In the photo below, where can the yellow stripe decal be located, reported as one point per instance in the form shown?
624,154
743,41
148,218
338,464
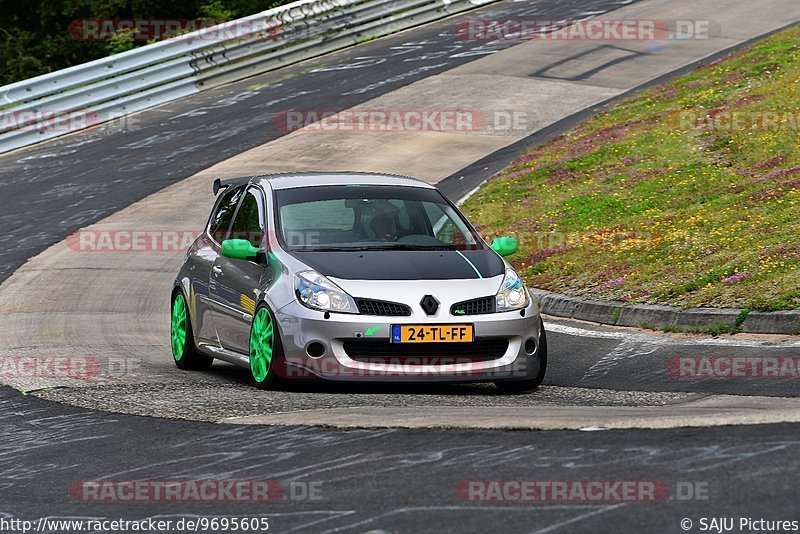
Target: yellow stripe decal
248,303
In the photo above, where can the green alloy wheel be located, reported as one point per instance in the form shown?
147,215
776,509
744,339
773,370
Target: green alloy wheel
183,350
178,327
264,346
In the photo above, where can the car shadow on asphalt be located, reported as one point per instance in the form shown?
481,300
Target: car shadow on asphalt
363,386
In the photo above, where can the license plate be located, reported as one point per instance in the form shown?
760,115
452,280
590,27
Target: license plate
420,333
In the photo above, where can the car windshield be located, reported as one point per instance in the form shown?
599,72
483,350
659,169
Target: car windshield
353,218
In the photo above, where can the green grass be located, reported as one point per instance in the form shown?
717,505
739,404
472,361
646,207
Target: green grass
712,330
639,204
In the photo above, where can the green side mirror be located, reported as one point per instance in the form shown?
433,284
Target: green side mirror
505,246
239,249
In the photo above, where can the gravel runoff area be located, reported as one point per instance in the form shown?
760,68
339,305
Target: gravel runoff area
217,401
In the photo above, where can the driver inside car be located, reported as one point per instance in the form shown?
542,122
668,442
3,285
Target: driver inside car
384,226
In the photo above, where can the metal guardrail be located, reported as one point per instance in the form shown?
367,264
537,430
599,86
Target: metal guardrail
85,95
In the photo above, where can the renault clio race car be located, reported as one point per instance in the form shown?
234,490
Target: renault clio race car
350,276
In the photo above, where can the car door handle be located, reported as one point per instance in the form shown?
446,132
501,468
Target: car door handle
217,270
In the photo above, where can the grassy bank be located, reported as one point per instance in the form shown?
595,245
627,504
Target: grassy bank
687,194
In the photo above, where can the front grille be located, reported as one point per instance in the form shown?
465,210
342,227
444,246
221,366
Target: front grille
479,306
383,351
381,307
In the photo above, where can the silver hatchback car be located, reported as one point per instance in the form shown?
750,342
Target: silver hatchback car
351,276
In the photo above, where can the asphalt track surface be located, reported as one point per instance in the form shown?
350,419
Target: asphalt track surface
371,480
389,480
589,365
55,188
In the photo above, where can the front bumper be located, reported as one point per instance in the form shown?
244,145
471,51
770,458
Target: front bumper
304,330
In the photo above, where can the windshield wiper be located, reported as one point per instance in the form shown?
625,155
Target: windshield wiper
407,246
388,246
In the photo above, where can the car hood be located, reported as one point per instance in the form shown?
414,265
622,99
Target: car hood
405,264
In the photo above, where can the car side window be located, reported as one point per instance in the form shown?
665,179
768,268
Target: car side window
221,218
247,224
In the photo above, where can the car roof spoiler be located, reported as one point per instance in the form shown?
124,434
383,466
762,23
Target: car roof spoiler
219,184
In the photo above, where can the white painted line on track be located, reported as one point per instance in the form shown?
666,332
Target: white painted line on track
654,339
624,351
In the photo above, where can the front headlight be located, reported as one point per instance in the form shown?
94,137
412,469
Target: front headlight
512,294
318,293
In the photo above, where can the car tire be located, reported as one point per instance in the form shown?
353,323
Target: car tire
265,349
184,351
530,384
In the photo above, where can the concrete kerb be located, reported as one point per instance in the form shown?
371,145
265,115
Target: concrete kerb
699,318
667,317
779,322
